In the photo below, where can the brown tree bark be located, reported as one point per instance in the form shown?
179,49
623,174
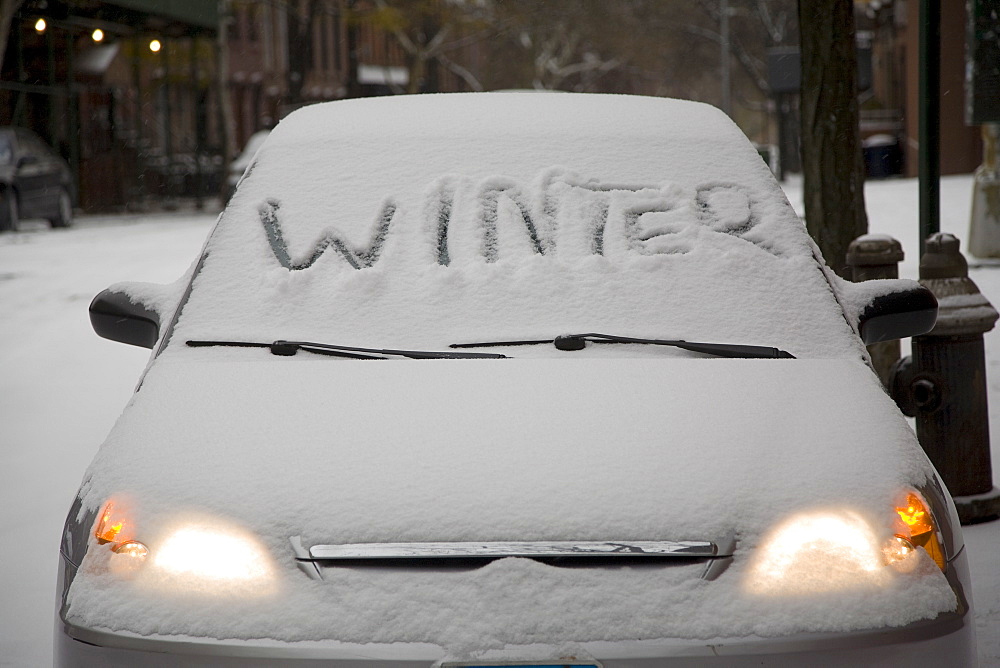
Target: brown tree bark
832,161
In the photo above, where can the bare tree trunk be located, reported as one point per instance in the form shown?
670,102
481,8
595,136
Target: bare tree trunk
417,67
832,163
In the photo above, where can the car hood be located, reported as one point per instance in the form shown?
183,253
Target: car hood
606,449
576,449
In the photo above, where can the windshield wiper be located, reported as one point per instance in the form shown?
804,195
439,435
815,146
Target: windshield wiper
579,341
288,348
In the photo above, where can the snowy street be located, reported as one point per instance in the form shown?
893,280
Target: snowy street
64,387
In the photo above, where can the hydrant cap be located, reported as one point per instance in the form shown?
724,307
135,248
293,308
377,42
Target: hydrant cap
874,249
942,258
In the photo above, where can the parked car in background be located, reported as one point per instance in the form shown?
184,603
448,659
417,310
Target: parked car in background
506,379
242,161
34,181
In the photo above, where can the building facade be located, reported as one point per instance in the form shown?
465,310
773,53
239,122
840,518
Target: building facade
893,105
148,100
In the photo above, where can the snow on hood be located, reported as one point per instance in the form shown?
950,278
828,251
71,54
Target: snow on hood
602,449
361,451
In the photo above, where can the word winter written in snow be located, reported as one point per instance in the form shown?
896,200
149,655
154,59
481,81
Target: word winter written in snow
590,217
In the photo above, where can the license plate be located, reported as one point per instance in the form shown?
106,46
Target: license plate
522,664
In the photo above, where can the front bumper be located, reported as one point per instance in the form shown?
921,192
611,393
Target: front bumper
948,639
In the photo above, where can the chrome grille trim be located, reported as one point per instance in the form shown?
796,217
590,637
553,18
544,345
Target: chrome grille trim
529,549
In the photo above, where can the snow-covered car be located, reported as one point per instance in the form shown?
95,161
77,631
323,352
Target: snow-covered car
626,415
35,182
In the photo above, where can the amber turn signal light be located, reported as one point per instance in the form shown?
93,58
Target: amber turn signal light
109,526
916,526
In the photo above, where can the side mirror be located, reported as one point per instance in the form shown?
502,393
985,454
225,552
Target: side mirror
897,315
115,316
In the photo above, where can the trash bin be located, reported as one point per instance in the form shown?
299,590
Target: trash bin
883,156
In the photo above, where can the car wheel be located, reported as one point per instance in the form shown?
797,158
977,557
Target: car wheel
8,212
64,216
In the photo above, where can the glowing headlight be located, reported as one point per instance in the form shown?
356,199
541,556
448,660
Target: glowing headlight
817,552
212,554
826,551
128,558
201,554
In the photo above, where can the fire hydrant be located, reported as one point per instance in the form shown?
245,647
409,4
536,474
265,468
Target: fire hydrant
943,383
873,256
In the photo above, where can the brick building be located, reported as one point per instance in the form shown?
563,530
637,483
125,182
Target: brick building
117,88
149,99
893,106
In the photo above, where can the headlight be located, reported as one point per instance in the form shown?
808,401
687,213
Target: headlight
200,554
817,552
824,551
212,553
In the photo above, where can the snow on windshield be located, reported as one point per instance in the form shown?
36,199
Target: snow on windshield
521,216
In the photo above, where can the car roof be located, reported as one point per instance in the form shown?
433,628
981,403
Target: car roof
425,220
414,140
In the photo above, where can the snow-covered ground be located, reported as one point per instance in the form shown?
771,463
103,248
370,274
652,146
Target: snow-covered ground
63,387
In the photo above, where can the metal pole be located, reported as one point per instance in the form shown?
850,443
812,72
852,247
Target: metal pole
224,106
724,57
73,116
930,117
140,160
50,48
195,94
17,116
168,143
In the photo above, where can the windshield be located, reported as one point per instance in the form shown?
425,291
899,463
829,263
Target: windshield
359,229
